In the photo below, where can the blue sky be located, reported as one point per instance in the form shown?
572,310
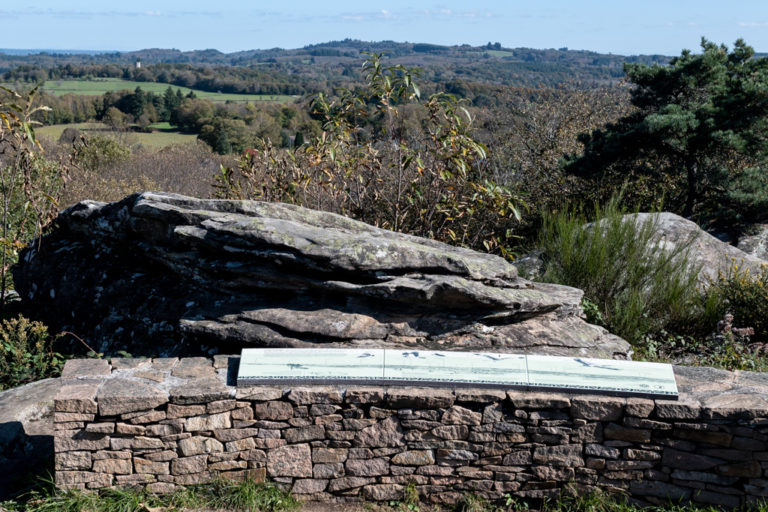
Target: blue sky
617,26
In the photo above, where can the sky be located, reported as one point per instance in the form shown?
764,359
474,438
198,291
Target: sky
616,26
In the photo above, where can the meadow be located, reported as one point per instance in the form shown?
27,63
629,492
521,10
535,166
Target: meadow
99,86
162,135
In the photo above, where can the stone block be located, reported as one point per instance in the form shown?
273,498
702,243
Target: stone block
77,440
597,408
457,415
201,391
526,400
676,459
454,432
163,456
132,430
208,422
700,436
302,435
293,461
198,445
136,443
273,411
684,409
383,492
564,455
235,434
86,368
67,417
414,458
240,445
332,470
228,465
309,486
72,461
639,407
386,433
185,411
315,395
479,396
367,467
142,417
347,483
599,450
260,393
113,466
119,396
632,435
243,413
77,397
189,465
329,455
194,368
419,398
150,467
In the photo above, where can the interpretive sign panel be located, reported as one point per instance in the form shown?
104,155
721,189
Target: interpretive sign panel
611,375
436,368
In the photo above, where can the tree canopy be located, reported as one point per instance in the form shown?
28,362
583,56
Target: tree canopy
698,133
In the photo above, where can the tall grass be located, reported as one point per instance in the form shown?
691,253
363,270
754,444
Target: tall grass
639,285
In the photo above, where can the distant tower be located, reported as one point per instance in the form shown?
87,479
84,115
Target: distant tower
138,63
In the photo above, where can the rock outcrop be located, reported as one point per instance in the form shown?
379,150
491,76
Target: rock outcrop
165,274
713,255
756,243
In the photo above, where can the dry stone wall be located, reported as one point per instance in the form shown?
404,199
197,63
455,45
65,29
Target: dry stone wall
162,423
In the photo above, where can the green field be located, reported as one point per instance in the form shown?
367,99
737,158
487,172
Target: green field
164,136
499,53
98,86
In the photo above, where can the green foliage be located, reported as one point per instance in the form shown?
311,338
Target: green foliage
743,294
97,152
220,494
26,353
637,288
248,495
375,162
471,502
30,185
700,123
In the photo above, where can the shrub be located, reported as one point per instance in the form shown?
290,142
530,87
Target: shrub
638,288
420,171
26,353
743,294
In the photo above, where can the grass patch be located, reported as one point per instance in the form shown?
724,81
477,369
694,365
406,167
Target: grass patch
164,136
500,53
99,86
221,494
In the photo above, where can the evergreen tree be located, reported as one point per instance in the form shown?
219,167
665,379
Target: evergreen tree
699,132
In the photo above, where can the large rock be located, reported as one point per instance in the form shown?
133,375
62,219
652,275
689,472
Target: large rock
713,255
163,273
26,434
756,243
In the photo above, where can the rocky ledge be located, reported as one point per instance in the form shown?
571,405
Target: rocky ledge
164,274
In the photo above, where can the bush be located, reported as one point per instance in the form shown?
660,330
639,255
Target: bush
637,288
26,353
743,294
387,158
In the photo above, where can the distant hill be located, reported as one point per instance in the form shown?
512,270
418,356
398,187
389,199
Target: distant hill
338,61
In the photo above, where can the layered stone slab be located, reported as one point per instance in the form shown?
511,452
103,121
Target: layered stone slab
443,368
